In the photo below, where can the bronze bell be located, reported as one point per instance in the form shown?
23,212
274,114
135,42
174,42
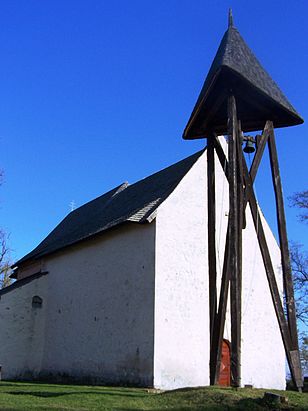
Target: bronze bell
249,147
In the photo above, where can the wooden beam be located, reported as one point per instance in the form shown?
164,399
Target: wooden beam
241,223
233,242
283,325
260,149
211,233
284,247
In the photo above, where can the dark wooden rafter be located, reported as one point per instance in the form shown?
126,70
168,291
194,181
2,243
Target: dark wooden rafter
211,233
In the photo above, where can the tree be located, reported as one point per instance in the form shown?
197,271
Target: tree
303,352
5,270
299,262
299,259
300,200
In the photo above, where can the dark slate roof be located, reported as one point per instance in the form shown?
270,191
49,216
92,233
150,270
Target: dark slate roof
236,69
126,203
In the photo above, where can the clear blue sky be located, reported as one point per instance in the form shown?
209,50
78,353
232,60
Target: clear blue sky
94,93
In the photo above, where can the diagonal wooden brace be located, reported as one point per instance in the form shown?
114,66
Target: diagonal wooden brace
283,325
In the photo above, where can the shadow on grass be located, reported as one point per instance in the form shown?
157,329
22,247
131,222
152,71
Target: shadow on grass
242,405
248,406
49,394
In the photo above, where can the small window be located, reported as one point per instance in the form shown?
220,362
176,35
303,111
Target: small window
37,301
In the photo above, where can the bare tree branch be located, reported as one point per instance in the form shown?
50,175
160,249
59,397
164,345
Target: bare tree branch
303,349
299,261
5,263
300,200
3,247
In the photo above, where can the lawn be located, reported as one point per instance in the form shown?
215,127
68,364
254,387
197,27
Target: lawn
38,396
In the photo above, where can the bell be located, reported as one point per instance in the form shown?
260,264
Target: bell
249,147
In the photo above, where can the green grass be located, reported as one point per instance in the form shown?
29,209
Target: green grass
37,396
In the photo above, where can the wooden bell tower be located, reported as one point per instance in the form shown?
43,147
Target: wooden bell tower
238,96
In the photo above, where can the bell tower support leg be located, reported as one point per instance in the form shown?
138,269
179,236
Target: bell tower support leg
285,258
211,244
283,325
234,243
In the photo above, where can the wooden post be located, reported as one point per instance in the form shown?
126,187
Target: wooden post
211,241
241,223
285,255
234,242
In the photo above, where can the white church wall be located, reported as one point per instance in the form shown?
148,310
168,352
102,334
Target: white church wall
263,356
101,305
181,348
22,330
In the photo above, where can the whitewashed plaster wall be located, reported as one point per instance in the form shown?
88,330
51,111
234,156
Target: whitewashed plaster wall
97,324
181,348
22,330
100,314
263,355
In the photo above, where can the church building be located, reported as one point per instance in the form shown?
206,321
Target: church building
166,282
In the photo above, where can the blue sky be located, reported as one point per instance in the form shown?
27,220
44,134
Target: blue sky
94,93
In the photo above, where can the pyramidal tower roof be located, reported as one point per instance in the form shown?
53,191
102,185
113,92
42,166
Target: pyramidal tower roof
235,70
